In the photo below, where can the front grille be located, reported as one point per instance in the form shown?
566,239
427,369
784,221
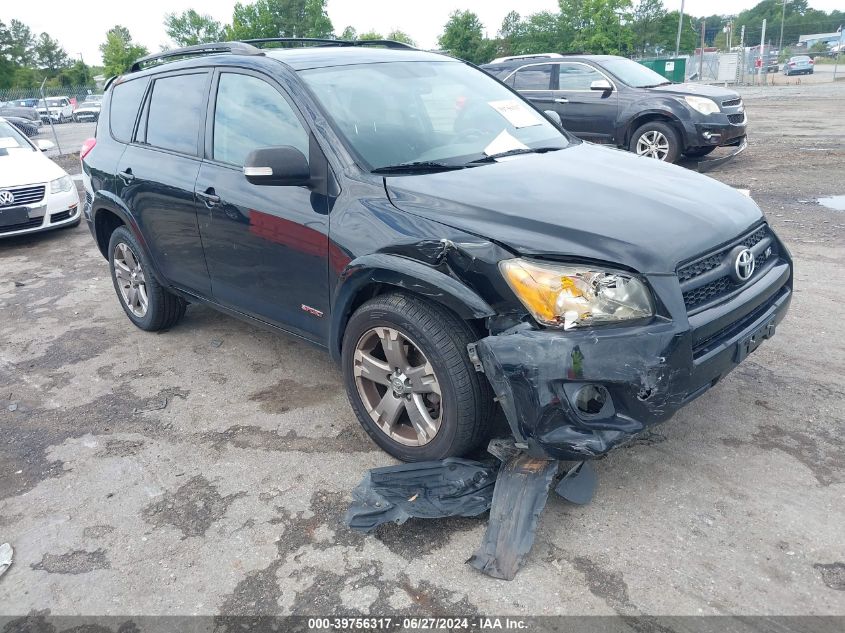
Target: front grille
708,278
62,215
25,195
730,103
29,224
737,119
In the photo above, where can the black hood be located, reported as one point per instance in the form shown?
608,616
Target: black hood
717,93
585,201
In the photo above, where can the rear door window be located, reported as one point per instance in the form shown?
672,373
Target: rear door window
533,77
176,112
125,101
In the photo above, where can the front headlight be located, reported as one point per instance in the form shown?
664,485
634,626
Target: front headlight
576,296
702,104
60,185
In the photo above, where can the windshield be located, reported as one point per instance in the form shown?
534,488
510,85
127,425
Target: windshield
397,113
634,74
10,138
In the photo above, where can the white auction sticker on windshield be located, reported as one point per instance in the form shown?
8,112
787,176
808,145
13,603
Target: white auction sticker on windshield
505,142
516,113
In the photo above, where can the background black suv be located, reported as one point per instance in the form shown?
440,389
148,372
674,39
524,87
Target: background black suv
609,99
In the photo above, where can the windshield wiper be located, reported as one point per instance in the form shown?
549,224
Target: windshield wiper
665,83
417,166
491,158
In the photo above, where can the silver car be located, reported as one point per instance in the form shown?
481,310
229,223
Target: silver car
798,65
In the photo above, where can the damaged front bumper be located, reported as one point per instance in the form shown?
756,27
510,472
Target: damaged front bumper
635,376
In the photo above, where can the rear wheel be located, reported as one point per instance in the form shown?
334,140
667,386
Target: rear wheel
656,139
147,304
410,381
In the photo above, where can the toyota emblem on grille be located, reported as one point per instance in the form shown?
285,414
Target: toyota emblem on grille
744,265
6,198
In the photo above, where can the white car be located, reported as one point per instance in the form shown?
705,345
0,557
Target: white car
35,193
59,109
88,110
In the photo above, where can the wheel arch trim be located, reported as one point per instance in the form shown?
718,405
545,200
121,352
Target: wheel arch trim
401,273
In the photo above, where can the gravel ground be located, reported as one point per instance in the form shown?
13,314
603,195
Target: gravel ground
206,469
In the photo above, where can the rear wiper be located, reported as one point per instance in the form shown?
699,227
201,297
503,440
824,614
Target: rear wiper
417,166
491,158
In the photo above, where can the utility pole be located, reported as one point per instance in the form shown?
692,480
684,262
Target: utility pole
701,59
680,26
763,62
782,19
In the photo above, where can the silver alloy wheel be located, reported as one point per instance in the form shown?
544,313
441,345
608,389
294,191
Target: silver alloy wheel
398,387
130,279
653,144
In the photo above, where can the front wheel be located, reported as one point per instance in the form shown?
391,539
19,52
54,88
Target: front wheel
410,381
656,139
145,301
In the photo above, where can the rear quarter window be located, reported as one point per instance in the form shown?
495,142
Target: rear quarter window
125,102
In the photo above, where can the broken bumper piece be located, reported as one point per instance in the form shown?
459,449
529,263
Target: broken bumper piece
576,395
425,490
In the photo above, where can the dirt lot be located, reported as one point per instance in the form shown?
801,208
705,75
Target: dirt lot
207,469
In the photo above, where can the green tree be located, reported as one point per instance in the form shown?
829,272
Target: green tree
646,22
189,28
119,51
349,33
280,18
400,36
49,55
463,37
371,35
599,26
510,34
77,74
19,46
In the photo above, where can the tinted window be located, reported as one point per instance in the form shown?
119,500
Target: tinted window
176,112
250,113
125,100
533,78
577,77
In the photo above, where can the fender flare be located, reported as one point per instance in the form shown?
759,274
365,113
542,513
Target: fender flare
403,274
107,201
665,111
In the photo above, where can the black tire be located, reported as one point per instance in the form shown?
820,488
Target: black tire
466,397
664,128
164,309
698,152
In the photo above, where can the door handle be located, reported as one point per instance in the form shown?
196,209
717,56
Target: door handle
209,197
561,100
126,176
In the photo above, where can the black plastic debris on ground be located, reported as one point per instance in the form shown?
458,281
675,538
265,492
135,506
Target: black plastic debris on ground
426,490
522,489
517,489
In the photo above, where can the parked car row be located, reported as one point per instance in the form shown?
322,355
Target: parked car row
61,109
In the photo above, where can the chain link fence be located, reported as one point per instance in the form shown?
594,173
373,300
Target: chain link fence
24,94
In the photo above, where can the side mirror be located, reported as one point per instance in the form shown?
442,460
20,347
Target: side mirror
554,117
43,144
282,166
601,84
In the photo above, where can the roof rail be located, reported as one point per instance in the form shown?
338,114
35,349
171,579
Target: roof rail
318,41
235,48
509,58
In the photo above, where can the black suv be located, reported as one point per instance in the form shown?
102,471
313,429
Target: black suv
447,244
609,99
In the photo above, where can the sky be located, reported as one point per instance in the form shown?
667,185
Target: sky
80,27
